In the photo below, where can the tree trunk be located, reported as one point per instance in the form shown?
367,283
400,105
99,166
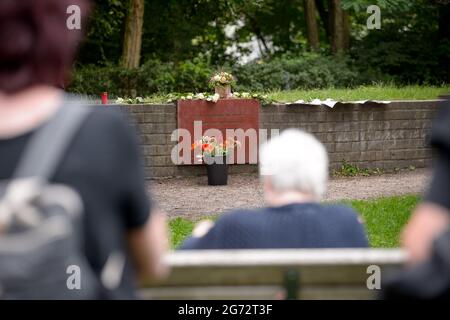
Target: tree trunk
132,42
324,16
311,25
337,26
257,31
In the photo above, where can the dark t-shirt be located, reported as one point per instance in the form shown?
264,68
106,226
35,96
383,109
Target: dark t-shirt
103,165
306,225
439,191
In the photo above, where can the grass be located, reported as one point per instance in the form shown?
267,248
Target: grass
377,92
180,228
384,219
374,92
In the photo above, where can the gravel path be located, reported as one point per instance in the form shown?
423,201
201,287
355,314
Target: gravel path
191,197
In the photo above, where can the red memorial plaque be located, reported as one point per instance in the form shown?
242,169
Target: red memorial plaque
237,116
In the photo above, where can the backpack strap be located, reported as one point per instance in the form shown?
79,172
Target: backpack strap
48,145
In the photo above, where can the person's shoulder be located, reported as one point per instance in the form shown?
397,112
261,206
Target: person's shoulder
106,130
240,216
110,124
107,117
341,211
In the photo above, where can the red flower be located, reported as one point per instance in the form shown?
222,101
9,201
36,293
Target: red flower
208,147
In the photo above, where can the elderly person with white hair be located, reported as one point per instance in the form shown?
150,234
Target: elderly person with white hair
294,172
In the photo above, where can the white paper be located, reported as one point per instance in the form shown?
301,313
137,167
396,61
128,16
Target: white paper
330,103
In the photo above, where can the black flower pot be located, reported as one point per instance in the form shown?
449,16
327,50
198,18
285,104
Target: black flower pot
217,170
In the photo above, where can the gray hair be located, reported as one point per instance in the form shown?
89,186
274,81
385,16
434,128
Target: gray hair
295,161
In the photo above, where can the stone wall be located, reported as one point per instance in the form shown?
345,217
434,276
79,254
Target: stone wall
370,136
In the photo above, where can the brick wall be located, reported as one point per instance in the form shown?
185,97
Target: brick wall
370,136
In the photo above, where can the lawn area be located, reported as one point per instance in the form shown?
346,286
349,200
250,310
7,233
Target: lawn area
384,218
375,92
381,92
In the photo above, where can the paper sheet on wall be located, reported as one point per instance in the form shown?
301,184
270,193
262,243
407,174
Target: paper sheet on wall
332,103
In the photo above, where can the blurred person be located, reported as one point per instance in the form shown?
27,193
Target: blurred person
426,238
432,216
294,173
101,163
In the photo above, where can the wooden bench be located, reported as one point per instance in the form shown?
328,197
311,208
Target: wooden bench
273,274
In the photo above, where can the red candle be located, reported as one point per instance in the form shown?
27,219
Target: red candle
105,98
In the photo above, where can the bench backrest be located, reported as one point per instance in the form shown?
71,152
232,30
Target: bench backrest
274,274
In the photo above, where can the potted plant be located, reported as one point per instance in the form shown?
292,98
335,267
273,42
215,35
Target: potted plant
214,154
222,83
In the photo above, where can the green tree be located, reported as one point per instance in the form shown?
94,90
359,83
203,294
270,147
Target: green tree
191,36
103,40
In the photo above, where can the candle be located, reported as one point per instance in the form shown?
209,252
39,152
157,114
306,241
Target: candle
105,98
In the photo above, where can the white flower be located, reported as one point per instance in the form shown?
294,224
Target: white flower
140,99
189,97
216,78
215,97
223,80
120,100
245,95
200,96
236,94
183,98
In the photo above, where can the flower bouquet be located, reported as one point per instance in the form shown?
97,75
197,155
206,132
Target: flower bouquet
214,154
222,83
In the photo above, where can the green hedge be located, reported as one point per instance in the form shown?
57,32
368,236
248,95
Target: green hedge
297,72
303,71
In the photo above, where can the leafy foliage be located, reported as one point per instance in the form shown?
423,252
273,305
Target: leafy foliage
350,170
307,70
386,5
104,36
185,41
